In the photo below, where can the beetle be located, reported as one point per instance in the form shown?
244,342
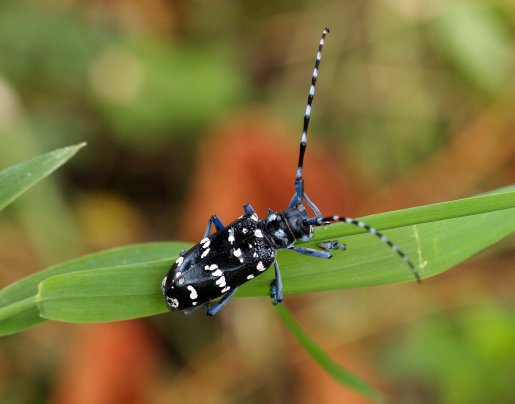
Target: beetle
243,250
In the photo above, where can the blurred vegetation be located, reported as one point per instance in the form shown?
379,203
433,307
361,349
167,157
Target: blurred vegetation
414,106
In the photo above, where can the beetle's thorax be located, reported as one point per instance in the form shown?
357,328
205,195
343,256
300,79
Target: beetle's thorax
283,228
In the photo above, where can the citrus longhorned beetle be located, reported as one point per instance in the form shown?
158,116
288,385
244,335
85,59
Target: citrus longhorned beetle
239,252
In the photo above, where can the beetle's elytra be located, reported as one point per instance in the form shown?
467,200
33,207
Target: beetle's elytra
247,247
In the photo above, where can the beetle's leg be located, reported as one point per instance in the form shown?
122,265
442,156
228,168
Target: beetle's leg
248,209
311,252
217,222
182,252
313,206
333,245
295,200
187,313
276,288
221,303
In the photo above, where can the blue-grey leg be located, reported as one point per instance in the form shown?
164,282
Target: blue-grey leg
248,209
311,252
313,206
276,289
221,303
217,222
187,313
295,200
182,252
332,245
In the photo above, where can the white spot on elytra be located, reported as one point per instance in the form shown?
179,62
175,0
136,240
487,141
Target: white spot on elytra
163,283
226,289
217,273
250,277
221,281
211,268
260,267
206,244
258,233
206,267
179,261
205,253
244,230
178,274
194,303
250,246
193,294
174,303
254,217
204,240
237,253
181,281
255,255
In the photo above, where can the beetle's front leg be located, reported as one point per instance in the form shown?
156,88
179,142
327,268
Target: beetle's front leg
332,245
276,288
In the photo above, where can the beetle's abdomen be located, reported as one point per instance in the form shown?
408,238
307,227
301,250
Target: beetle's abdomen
217,264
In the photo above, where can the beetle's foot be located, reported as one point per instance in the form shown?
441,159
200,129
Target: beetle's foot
332,245
278,298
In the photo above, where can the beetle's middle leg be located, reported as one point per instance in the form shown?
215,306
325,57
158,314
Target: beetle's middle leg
217,222
276,288
248,209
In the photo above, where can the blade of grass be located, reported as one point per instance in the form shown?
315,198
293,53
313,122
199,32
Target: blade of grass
114,294
15,180
341,375
18,307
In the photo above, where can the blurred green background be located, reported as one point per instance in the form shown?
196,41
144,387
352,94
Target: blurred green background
414,105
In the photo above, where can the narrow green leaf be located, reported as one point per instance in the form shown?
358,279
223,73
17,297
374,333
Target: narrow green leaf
341,375
14,181
132,291
16,316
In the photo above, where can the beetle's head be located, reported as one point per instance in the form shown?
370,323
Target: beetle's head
287,226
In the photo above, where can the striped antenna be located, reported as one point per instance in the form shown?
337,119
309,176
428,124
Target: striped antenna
299,183
320,221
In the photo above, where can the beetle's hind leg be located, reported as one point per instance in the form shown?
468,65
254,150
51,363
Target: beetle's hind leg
276,288
221,303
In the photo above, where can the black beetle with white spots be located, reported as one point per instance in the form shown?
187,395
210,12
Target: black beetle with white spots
243,250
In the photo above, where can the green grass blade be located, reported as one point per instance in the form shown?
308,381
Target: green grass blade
16,316
132,291
108,294
15,180
341,375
